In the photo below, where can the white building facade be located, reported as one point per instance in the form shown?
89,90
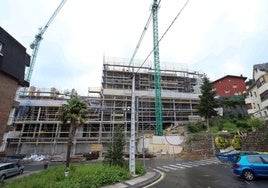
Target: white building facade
257,99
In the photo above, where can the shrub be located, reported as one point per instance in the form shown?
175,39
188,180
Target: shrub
221,142
243,126
140,170
196,127
256,122
236,142
230,127
82,176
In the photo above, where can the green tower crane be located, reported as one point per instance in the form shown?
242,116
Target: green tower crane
157,75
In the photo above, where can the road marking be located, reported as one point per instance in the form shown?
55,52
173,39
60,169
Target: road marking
189,164
177,166
171,168
184,165
160,168
211,160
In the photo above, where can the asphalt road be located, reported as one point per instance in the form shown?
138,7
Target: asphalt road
209,173
184,173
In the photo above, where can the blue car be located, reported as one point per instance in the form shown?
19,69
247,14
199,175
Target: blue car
250,166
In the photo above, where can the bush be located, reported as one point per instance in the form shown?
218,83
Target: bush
221,142
140,170
196,127
236,142
256,122
90,176
230,127
243,126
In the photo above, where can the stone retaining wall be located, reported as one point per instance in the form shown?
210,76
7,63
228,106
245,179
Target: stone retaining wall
204,145
256,140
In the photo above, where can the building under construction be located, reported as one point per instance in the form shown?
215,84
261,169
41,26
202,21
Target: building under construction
36,128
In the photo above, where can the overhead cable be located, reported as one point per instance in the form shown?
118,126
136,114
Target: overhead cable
141,37
164,34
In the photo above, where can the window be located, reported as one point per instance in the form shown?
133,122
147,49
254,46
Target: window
1,49
254,159
264,96
234,86
260,82
255,94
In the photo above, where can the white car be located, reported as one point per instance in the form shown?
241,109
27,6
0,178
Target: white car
10,169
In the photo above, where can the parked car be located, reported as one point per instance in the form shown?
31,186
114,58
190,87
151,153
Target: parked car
250,166
10,169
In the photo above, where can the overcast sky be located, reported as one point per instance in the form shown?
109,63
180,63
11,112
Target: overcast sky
216,37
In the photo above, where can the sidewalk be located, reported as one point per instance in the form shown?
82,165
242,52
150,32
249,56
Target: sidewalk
137,182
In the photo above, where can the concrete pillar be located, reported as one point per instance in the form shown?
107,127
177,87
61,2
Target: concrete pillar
19,142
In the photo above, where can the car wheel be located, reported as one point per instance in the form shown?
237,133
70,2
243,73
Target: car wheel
21,171
2,178
248,175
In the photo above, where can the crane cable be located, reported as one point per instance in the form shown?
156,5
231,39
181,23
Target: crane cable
141,37
163,34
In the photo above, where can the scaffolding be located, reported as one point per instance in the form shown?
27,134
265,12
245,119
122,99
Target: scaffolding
37,129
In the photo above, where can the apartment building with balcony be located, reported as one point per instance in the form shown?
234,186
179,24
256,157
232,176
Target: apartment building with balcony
257,92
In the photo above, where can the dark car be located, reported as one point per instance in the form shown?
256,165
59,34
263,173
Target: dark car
251,166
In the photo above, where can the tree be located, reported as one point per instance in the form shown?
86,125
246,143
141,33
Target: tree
73,113
115,150
207,101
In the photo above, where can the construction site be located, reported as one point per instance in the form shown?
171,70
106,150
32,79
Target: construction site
36,128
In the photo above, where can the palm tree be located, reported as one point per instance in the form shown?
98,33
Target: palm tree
75,113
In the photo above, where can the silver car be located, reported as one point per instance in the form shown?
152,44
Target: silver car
10,169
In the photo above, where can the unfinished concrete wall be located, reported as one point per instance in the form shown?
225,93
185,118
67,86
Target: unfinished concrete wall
60,148
82,148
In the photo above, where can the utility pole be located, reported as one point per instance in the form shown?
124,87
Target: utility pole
157,75
132,147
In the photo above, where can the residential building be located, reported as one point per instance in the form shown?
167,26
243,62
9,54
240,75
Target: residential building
13,59
37,129
257,92
230,85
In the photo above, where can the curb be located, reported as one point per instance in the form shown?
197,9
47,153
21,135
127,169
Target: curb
149,181
138,182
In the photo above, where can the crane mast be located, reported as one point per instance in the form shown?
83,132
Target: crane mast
157,75
36,43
